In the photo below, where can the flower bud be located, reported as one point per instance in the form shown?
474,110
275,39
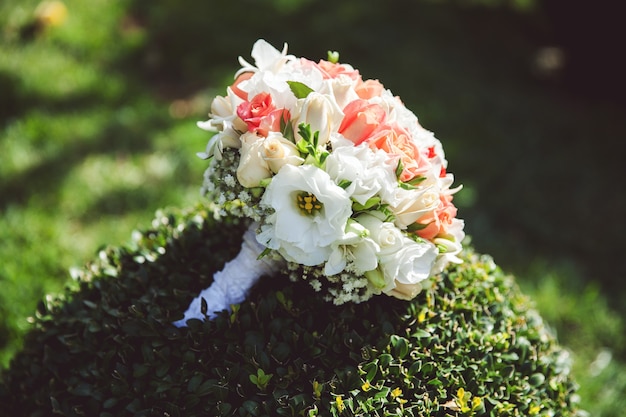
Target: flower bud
405,291
224,109
221,107
322,113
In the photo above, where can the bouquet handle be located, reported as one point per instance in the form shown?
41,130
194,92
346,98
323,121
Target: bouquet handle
232,283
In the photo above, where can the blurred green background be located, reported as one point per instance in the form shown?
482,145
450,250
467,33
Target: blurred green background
99,99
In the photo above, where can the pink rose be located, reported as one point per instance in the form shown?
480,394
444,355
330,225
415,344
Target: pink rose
361,120
369,88
397,142
261,115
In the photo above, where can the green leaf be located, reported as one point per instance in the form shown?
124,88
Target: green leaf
399,168
300,90
416,180
414,227
401,345
345,184
194,382
286,129
372,202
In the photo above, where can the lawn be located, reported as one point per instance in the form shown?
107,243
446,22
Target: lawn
97,132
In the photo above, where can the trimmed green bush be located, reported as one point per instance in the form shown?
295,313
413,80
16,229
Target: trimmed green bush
470,345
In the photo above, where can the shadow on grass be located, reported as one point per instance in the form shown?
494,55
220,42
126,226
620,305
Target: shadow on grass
43,179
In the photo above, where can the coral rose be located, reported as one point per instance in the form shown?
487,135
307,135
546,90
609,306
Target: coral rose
235,87
361,120
261,115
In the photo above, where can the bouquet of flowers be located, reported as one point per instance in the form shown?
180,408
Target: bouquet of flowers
342,185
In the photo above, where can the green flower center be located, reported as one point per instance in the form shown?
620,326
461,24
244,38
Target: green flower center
308,203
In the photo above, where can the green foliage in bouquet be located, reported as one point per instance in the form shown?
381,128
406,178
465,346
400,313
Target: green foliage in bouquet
470,345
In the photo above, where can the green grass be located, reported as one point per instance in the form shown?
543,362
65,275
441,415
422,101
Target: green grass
91,144
88,155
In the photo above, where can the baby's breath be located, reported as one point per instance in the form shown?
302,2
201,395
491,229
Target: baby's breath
340,288
221,186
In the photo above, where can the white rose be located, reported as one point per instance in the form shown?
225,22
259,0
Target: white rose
410,205
341,89
401,259
319,111
252,166
279,151
412,262
310,213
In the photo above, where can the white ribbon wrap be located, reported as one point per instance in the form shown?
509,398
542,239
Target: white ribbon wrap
232,283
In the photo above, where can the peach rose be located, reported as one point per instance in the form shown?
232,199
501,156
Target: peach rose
438,221
396,141
361,120
369,88
333,70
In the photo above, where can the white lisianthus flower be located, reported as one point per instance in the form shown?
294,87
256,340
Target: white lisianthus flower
215,147
266,58
226,123
279,151
356,249
401,259
321,112
253,168
398,114
369,172
224,107
310,213
223,111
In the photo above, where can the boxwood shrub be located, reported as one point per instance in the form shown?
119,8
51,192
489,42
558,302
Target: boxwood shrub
469,345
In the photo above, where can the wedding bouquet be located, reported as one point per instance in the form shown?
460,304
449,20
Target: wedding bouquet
342,185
